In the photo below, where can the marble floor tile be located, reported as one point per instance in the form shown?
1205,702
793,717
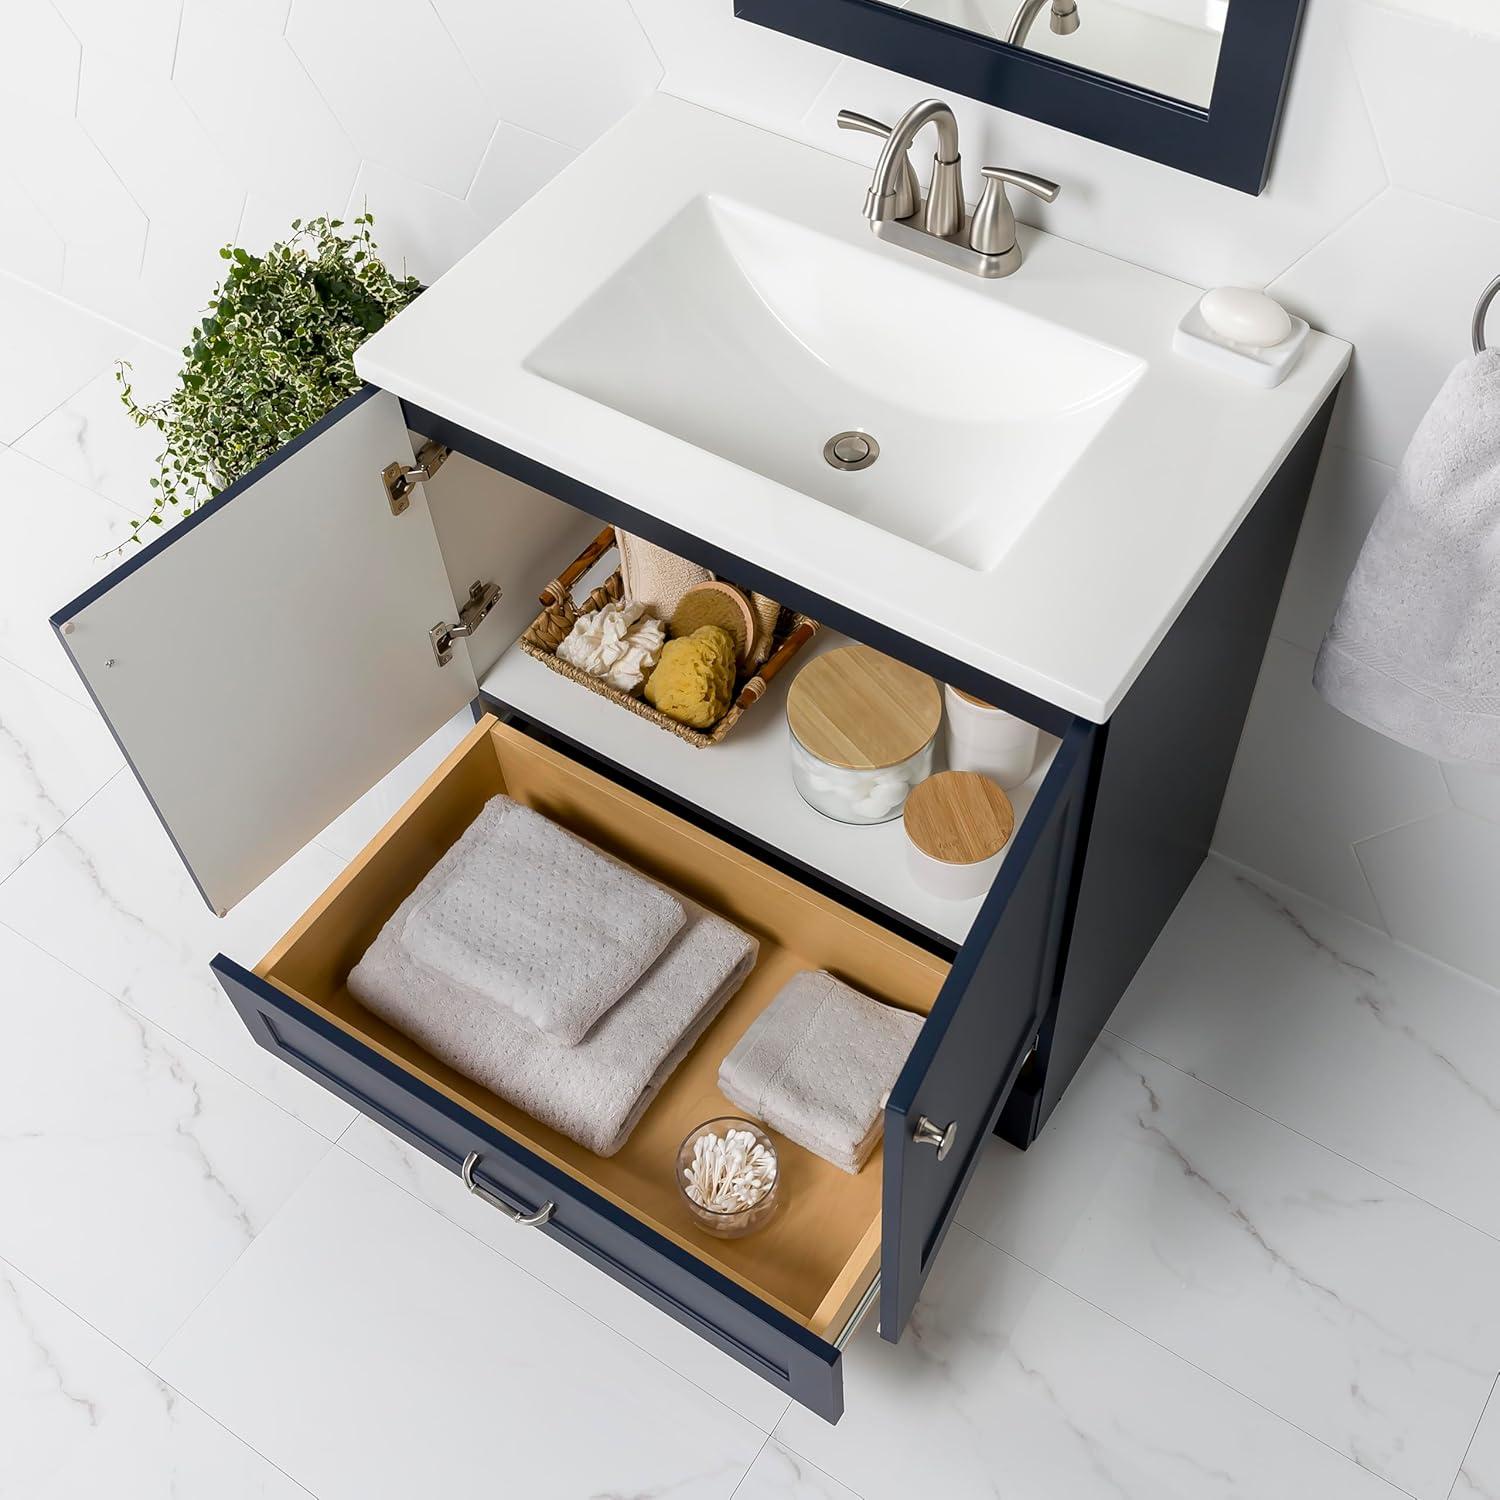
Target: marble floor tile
81,1420
90,438
1005,1384
778,1474
133,1172
50,348
108,896
59,538
1333,1298
625,1312
54,755
379,1351
1329,1027
1479,1474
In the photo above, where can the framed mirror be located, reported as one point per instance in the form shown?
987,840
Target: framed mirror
1196,84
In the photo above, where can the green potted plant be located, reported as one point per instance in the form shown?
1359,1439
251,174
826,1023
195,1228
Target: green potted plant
273,352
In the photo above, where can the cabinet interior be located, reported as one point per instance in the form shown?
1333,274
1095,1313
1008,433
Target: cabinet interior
821,1250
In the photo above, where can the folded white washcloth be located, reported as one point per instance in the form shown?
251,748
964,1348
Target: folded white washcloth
525,915
594,1093
817,1065
1414,650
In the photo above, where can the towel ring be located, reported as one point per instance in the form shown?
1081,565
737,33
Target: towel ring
1488,296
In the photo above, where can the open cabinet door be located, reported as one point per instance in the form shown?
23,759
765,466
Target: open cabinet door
270,657
944,1106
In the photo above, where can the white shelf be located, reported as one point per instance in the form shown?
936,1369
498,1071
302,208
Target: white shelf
746,781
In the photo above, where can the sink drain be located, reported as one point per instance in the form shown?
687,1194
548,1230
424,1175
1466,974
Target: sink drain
851,450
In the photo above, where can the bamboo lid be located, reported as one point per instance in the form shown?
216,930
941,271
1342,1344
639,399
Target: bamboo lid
863,711
970,698
959,817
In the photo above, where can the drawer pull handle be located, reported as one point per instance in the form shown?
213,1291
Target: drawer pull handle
527,1221
928,1134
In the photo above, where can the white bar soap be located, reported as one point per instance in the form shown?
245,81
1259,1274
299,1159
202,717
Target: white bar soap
1241,332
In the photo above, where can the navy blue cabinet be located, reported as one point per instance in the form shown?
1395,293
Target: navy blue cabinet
324,670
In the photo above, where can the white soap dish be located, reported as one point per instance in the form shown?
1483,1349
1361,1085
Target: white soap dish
1268,366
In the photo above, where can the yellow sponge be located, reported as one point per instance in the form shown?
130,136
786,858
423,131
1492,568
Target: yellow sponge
694,680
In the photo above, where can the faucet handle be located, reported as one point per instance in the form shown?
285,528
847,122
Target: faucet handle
908,194
993,229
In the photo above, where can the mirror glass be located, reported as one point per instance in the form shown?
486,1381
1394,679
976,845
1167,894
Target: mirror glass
1168,46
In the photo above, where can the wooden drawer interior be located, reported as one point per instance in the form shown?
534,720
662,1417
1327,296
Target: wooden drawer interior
822,1249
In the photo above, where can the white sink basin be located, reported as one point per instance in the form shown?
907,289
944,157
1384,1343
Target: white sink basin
760,340
681,320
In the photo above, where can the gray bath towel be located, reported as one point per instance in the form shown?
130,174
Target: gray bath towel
521,912
1414,650
817,1065
594,1093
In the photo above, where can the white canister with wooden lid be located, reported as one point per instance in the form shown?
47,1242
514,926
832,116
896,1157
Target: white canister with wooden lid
988,740
863,728
957,826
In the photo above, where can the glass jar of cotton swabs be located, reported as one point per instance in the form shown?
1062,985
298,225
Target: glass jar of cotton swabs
728,1175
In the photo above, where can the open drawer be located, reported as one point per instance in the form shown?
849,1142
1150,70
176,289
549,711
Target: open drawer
271,657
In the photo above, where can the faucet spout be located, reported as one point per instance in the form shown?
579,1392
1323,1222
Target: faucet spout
944,214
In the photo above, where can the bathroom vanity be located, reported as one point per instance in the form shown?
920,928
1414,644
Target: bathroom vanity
1066,521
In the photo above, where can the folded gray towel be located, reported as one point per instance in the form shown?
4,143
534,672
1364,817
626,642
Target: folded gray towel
817,1065
594,1093
1414,650
524,914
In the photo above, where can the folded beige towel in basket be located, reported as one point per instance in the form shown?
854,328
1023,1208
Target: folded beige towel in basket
594,1093
526,915
817,1065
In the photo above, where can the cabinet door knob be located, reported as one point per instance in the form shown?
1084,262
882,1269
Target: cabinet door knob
527,1221
928,1134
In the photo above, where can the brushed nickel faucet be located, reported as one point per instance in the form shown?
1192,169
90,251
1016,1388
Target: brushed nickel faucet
1062,18
938,226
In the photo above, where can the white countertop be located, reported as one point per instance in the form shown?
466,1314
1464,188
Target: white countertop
1078,603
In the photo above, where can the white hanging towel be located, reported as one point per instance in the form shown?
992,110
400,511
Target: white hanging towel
1414,650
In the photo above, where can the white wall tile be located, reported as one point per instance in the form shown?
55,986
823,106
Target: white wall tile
1438,884
30,246
398,85
1399,279
419,229
1308,782
712,58
48,350
516,163
567,69
1430,88
1476,789
295,159
139,38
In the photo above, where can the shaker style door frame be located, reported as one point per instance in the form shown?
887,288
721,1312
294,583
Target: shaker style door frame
1229,142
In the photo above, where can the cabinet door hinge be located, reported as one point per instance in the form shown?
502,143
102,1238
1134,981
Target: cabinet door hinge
401,478
483,597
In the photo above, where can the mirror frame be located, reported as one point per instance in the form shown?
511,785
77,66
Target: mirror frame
1228,142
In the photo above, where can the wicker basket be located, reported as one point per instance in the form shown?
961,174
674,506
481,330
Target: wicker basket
560,611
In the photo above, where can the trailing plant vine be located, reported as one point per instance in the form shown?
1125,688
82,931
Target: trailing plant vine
273,352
